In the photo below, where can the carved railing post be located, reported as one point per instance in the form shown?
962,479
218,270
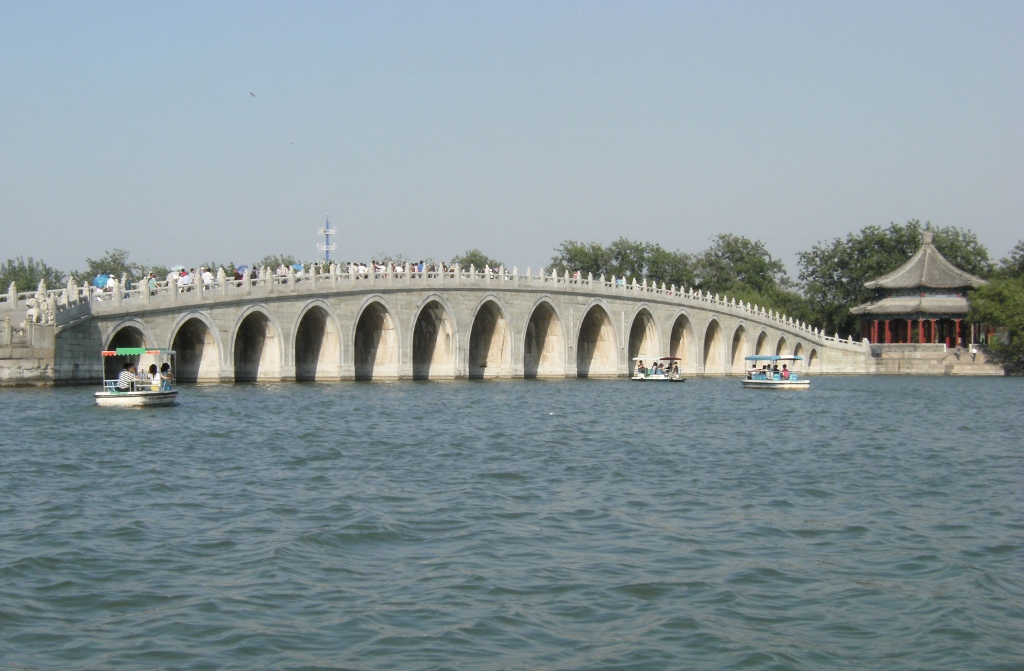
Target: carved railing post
222,280
12,296
247,281
118,294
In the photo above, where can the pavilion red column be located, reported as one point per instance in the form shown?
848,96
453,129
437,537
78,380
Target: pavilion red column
932,338
888,332
910,328
920,331
956,333
874,331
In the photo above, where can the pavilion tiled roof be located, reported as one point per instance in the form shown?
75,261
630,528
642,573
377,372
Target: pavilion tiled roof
927,268
911,305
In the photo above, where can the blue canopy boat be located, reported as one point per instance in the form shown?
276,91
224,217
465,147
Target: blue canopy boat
770,377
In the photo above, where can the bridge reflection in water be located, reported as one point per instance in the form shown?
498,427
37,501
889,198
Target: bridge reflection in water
468,323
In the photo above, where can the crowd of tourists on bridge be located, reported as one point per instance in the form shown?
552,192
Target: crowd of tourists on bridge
105,284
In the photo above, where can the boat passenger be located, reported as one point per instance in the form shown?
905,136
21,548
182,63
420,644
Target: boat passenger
165,377
785,372
154,377
127,377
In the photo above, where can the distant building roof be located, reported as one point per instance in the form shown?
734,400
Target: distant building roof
910,305
927,268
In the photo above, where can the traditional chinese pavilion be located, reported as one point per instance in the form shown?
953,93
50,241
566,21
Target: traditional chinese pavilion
922,301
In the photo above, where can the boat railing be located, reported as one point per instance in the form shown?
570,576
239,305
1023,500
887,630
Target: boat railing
144,384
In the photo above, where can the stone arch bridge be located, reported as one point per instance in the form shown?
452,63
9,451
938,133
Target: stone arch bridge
409,325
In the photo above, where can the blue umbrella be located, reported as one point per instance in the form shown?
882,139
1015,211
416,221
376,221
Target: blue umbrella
242,269
296,266
100,281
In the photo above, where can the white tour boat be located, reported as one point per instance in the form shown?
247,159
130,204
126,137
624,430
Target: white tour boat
770,377
667,371
140,387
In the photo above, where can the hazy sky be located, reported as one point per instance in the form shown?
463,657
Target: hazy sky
427,128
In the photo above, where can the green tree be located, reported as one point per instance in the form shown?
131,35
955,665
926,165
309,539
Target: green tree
160,272
114,262
273,261
1000,303
477,259
628,258
586,257
1014,265
397,259
673,268
26,274
735,263
624,258
832,274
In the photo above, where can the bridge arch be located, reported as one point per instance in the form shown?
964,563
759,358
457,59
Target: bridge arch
740,348
196,342
317,343
762,346
596,349
376,342
714,348
434,341
256,345
813,361
127,333
490,340
543,341
682,342
644,339
782,348
798,350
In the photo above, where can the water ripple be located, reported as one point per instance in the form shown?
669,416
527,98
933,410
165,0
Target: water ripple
516,525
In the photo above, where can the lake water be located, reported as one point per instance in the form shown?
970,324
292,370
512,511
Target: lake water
869,523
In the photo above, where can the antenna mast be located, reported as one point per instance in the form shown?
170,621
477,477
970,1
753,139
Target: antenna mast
326,247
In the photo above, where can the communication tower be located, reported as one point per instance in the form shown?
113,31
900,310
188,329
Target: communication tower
326,246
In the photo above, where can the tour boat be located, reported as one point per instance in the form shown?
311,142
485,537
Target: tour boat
667,374
771,377
144,391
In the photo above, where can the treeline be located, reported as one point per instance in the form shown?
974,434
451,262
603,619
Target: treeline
732,265
830,279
